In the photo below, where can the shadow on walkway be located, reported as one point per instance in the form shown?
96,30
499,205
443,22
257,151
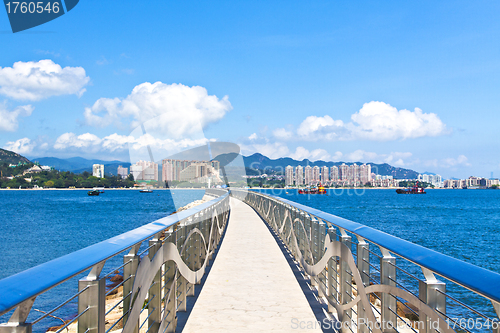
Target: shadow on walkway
326,321
182,317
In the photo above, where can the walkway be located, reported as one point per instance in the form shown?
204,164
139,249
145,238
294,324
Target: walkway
251,287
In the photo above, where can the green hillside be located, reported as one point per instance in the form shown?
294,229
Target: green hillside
9,157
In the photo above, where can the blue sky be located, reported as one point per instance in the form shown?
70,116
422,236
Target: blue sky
414,84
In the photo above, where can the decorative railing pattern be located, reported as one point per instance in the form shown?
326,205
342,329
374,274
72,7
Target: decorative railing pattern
163,261
362,273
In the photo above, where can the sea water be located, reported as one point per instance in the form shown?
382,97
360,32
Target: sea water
464,224
37,226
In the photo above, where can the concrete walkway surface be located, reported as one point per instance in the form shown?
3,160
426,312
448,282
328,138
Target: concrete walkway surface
251,287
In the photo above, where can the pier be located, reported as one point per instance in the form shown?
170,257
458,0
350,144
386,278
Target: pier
245,261
251,284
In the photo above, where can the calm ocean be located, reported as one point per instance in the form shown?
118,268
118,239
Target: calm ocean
37,226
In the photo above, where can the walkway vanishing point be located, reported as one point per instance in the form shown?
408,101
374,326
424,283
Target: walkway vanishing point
251,287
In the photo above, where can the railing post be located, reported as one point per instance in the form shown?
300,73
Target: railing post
389,302
170,287
191,257
129,272
93,301
322,280
363,259
333,292
431,292
17,322
345,283
181,238
199,244
313,232
154,294
211,234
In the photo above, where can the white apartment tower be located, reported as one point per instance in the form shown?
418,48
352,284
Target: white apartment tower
334,173
144,170
343,171
289,176
324,175
98,170
308,175
365,173
122,172
299,175
315,175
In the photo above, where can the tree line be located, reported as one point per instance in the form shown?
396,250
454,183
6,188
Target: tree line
57,179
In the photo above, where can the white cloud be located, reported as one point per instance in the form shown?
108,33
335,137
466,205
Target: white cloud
376,121
282,134
325,128
452,162
8,119
382,122
113,143
252,136
37,80
176,108
70,140
21,146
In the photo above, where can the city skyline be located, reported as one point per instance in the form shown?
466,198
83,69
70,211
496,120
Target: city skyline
411,85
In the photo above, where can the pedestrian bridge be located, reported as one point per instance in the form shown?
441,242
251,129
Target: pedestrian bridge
245,261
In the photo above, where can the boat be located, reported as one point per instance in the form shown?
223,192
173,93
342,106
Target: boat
93,192
98,189
411,190
146,190
320,189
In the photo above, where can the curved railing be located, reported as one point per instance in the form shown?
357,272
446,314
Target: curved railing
155,282
370,289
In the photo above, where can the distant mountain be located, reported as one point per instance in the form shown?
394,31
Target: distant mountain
252,163
7,156
259,161
80,164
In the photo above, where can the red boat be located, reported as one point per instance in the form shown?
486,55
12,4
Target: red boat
411,190
313,190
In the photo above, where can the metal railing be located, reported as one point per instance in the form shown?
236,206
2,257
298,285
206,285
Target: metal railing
375,282
162,262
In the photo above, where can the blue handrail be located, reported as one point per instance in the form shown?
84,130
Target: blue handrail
32,282
474,278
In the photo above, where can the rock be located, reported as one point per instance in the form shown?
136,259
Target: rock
117,278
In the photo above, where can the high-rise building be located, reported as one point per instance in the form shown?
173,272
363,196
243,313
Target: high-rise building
98,170
365,173
315,175
324,175
334,173
144,170
192,171
308,175
289,176
343,171
122,172
299,175
437,181
355,172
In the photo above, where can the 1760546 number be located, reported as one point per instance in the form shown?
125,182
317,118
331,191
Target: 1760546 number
32,7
